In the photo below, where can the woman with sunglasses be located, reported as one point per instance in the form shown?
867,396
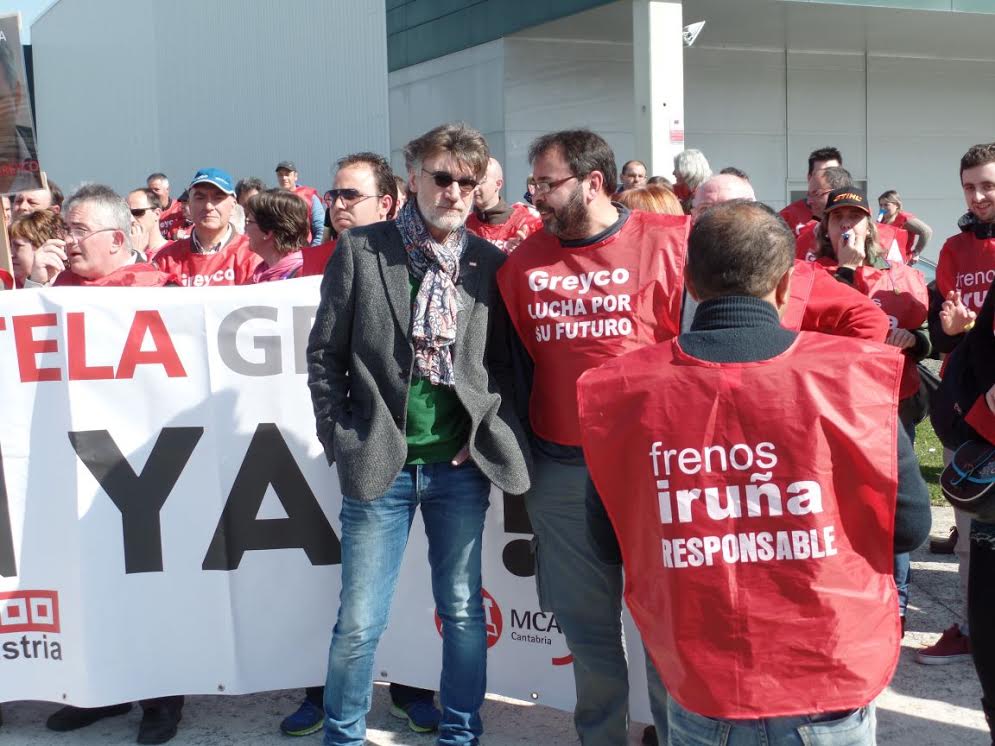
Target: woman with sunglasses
276,224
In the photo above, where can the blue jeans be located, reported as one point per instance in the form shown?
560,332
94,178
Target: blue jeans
854,728
453,502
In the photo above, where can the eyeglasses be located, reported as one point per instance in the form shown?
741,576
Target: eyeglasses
349,197
545,187
81,234
443,179
139,212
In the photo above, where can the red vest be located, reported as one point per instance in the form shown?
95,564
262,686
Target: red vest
901,293
967,264
796,215
900,220
232,265
316,257
523,222
574,308
893,242
820,303
131,275
171,220
6,280
757,568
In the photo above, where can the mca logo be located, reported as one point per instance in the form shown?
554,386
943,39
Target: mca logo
29,611
493,620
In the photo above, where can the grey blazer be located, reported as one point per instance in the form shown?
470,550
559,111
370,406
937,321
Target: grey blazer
360,361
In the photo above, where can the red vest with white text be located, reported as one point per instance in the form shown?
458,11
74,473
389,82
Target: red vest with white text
967,264
758,570
232,265
171,220
901,293
523,222
575,308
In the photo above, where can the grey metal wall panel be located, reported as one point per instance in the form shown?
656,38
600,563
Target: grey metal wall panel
126,88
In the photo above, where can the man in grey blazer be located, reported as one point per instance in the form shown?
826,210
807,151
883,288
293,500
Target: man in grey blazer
407,363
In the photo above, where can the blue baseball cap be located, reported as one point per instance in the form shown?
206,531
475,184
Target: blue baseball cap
221,179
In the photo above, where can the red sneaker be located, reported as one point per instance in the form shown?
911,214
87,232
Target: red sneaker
950,648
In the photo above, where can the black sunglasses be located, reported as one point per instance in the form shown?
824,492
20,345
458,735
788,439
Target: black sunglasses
443,179
348,195
139,212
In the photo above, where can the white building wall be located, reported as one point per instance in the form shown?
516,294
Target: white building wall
125,88
466,86
766,83
923,115
564,84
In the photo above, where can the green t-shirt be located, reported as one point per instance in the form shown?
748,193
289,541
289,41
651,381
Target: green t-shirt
437,424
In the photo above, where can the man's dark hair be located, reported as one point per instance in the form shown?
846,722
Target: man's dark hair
284,214
156,176
583,150
837,177
738,247
57,196
151,196
822,155
733,171
978,155
383,175
249,184
629,163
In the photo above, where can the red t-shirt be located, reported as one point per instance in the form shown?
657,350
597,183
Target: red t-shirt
231,265
6,280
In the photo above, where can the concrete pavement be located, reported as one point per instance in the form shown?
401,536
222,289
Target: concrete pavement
924,706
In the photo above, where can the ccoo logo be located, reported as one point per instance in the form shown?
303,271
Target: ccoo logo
493,620
29,611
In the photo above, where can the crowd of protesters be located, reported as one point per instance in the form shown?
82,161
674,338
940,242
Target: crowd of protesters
445,357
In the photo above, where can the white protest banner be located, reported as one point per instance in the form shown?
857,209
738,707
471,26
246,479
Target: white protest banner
168,522
19,169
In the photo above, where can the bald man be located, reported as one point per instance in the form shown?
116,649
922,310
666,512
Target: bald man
819,302
495,220
721,188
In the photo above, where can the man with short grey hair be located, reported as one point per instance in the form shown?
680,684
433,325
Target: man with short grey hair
691,170
408,369
97,252
97,248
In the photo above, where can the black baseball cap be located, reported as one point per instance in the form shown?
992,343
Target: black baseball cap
847,197
288,165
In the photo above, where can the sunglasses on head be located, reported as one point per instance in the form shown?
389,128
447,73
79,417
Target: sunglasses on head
443,179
